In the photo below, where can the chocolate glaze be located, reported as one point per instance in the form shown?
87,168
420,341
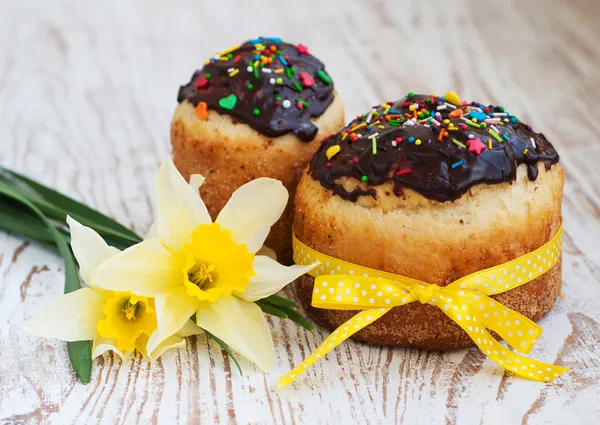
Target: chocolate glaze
292,64
436,170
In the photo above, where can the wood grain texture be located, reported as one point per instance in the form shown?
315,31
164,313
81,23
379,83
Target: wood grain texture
87,90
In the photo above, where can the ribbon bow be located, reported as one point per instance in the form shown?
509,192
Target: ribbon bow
345,286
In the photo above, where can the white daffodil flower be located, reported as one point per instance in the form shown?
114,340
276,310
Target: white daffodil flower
192,266
114,318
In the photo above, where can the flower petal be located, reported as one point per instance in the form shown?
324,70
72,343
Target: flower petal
143,269
70,317
89,248
172,342
271,277
269,252
196,180
190,328
173,311
252,210
242,326
180,208
102,345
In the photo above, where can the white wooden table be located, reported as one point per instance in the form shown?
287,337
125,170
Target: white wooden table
87,90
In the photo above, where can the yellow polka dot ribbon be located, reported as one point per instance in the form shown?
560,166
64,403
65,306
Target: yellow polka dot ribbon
341,285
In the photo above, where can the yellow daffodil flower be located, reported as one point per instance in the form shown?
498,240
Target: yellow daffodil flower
115,318
192,266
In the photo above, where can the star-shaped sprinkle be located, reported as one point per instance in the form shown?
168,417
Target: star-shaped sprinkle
475,146
302,49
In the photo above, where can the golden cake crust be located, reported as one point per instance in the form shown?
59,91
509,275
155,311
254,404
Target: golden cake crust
436,242
229,154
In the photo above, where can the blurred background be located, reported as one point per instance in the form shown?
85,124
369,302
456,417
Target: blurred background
83,71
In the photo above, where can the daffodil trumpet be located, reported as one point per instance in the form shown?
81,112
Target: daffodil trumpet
142,298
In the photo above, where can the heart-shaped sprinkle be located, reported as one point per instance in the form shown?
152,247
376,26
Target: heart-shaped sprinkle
452,97
457,113
201,111
307,79
228,102
202,81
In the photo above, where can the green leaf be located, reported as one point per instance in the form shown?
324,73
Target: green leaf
279,301
57,206
67,204
225,348
79,352
270,309
20,221
282,307
294,316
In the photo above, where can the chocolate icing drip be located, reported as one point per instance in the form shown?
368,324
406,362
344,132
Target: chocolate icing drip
272,86
410,152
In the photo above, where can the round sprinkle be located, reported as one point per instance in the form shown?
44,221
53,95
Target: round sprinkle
279,80
411,139
418,142
249,86
256,112
272,81
286,103
364,178
250,69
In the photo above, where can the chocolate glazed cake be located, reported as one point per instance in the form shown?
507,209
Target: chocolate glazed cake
432,188
260,109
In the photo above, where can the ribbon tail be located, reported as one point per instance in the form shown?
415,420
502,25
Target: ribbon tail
345,331
517,330
474,312
520,365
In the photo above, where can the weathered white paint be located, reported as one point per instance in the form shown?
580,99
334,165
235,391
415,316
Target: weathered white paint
87,90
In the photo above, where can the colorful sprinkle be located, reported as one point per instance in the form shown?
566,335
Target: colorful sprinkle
332,151
532,142
323,76
453,98
201,111
403,172
457,143
228,102
307,79
475,146
495,135
202,82
458,163
302,49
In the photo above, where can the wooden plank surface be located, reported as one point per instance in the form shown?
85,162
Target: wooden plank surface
87,90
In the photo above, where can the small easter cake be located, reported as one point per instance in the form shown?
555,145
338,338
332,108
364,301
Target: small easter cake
433,189
260,109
